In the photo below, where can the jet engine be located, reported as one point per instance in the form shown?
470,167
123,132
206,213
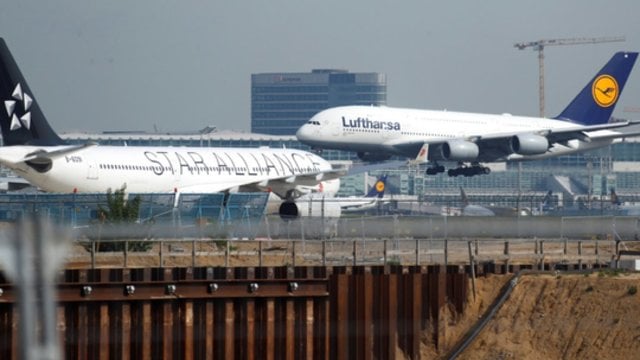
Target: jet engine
373,156
460,150
309,207
529,144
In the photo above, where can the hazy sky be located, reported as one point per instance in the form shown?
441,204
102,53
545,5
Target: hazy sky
183,65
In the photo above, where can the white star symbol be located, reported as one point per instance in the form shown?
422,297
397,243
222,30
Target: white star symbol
10,106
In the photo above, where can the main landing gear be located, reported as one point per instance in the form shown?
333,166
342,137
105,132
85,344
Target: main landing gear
434,170
475,169
462,169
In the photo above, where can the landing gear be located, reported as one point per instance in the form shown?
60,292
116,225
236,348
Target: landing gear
475,169
435,170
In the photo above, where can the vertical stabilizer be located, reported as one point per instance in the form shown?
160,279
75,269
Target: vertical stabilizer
377,190
595,103
21,120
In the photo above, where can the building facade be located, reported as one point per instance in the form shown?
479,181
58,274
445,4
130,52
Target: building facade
282,102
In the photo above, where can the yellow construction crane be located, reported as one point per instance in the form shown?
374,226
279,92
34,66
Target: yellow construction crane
541,44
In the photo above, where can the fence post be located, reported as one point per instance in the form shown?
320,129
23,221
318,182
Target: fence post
506,252
541,254
580,255
93,254
193,253
384,250
226,254
597,254
417,252
260,253
126,253
324,253
355,246
293,254
446,251
160,253
473,272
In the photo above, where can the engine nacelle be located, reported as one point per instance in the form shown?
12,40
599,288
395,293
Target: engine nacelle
460,150
529,144
313,207
373,156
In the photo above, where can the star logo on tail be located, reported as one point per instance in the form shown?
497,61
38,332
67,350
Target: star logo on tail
20,99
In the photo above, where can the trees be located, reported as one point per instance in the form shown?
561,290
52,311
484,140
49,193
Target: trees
118,221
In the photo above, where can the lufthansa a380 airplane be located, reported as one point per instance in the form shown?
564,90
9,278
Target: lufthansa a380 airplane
470,139
35,152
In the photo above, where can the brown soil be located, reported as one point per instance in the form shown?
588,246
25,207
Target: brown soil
563,317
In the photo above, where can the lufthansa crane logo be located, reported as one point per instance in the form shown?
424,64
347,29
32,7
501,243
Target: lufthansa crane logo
380,186
605,90
21,102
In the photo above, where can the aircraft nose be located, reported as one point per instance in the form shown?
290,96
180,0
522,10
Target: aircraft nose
304,133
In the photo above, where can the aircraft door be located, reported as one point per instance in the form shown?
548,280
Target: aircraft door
92,173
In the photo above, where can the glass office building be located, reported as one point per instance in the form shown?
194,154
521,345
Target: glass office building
282,102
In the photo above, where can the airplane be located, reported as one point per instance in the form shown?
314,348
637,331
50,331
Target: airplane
369,201
469,209
325,203
35,152
467,140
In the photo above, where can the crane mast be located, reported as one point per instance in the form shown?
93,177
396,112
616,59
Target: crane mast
541,44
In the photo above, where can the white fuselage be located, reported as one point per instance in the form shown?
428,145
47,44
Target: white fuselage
380,129
162,169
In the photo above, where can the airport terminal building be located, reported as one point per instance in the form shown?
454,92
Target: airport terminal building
282,102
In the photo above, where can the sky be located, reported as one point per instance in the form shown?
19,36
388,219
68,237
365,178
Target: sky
171,66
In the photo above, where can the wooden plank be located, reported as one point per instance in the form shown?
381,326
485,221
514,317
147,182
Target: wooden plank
167,330
270,333
187,325
103,341
61,326
391,316
323,331
309,317
339,336
125,331
250,330
146,330
82,331
290,338
413,322
209,330
229,317
367,309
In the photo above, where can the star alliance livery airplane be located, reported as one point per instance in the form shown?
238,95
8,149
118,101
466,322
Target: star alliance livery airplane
35,152
469,139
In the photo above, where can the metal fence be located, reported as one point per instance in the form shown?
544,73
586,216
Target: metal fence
214,253
77,210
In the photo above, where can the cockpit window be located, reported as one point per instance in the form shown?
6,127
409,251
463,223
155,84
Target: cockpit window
313,122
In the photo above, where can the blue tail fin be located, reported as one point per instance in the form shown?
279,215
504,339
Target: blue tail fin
21,120
377,190
595,103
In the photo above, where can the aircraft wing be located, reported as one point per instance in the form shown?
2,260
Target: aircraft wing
492,145
361,204
285,186
13,156
41,155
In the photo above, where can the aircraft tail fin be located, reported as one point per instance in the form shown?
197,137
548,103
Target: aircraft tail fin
595,103
21,120
463,197
614,197
377,190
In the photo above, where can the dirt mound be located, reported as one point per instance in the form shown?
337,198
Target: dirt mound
565,317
